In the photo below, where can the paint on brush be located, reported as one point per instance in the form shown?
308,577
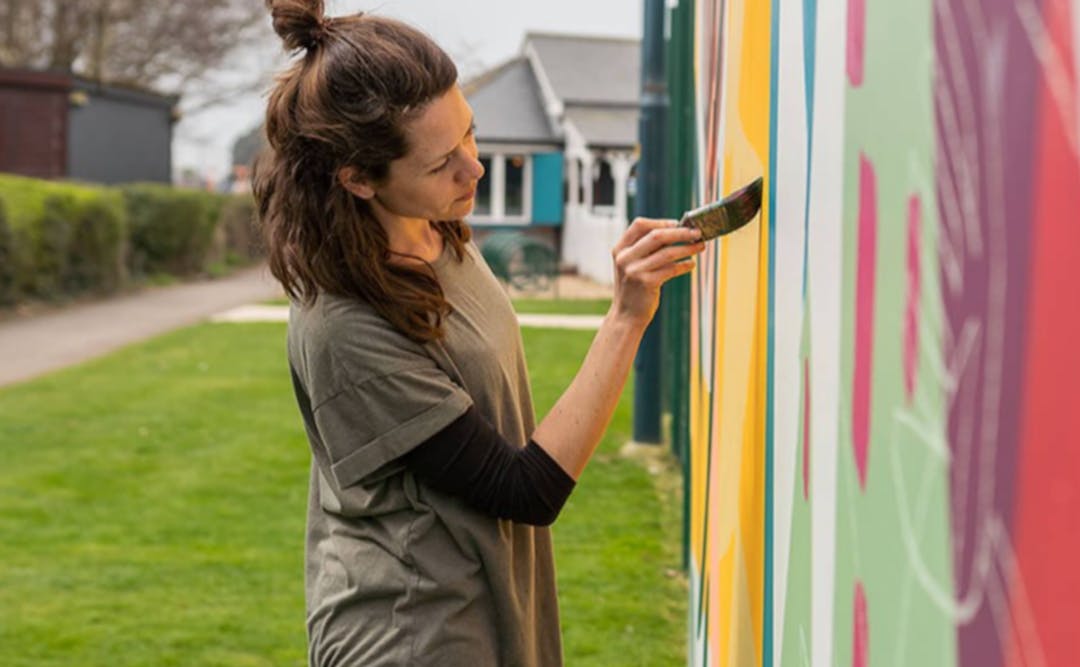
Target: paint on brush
725,216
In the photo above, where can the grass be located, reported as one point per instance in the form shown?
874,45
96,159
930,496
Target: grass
152,506
563,306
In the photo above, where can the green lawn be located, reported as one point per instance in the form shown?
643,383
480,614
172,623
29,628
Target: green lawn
563,306
152,510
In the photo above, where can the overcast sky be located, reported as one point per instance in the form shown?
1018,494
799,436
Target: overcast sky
477,33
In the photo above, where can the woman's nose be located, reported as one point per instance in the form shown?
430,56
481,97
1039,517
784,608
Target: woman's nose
474,169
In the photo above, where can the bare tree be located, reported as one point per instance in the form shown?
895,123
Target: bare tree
164,44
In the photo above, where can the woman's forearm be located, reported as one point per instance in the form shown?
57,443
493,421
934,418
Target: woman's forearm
573,428
648,254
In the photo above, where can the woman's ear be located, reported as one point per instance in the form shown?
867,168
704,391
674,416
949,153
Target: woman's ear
351,180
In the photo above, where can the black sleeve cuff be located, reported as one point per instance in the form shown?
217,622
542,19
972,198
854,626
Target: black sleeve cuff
471,460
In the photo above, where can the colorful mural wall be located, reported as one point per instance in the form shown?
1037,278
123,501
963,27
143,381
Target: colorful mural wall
885,370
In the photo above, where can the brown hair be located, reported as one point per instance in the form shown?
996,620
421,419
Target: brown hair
344,103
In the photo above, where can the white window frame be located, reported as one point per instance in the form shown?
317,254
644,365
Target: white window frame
498,214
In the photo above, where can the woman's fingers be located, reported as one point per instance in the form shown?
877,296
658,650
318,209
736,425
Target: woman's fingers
668,271
639,228
652,271
642,270
666,256
653,241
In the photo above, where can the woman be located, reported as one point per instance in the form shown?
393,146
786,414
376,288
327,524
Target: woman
431,486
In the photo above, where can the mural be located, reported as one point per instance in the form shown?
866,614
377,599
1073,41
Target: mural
885,375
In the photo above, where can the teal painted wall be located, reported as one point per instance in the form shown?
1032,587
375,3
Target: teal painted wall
547,193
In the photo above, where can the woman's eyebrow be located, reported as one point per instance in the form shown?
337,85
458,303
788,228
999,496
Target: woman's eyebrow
472,122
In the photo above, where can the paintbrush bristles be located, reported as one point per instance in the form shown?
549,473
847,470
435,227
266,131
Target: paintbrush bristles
726,215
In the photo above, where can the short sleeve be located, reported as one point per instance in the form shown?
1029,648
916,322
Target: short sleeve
372,422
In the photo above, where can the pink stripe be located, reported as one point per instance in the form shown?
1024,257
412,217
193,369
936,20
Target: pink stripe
860,633
856,41
864,315
911,319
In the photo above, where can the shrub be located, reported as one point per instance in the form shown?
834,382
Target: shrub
64,237
98,247
52,248
172,230
8,292
242,240
61,239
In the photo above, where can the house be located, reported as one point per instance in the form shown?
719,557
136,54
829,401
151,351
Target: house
557,130
245,150
55,125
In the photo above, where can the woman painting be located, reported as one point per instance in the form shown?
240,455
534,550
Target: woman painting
431,488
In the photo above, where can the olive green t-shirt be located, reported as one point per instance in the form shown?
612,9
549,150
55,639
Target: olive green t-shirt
398,573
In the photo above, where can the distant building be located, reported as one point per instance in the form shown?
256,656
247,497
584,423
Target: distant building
244,151
61,126
557,130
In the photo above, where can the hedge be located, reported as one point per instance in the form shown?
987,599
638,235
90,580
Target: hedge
242,241
61,239
171,229
7,259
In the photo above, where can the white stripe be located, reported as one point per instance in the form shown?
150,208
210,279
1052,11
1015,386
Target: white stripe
791,150
826,243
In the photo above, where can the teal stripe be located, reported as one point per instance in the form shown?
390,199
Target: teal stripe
767,631
809,52
809,57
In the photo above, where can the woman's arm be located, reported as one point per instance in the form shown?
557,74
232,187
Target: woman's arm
644,260
469,459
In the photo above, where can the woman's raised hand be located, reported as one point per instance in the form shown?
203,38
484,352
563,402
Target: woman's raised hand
646,258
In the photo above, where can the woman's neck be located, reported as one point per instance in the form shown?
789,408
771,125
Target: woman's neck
408,236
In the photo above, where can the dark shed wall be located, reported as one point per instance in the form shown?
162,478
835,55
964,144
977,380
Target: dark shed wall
33,123
120,136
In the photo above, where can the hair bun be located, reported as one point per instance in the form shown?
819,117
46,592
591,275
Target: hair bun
300,23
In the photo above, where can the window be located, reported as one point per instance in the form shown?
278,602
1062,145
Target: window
580,181
515,185
482,204
504,194
603,184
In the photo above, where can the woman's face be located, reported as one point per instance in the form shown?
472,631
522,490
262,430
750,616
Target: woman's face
437,179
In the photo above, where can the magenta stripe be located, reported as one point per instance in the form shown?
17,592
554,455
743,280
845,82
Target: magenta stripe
864,315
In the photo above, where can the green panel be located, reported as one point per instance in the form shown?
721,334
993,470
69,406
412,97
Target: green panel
889,131
675,301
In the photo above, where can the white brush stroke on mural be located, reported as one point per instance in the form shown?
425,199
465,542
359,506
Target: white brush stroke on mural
790,169
825,261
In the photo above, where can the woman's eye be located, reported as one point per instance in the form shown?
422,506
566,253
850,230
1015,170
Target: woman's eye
444,165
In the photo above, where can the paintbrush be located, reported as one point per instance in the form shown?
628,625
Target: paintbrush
728,214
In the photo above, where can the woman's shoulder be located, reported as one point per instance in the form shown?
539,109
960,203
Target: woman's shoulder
351,337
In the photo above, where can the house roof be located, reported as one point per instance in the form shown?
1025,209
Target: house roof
507,105
25,78
248,145
590,70
605,126
126,93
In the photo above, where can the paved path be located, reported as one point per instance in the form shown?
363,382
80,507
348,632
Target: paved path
35,345
260,313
